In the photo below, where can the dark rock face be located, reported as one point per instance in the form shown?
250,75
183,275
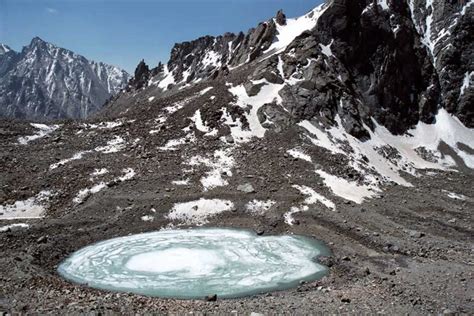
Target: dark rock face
142,74
45,82
449,41
280,18
377,68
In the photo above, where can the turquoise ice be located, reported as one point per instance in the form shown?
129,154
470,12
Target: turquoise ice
194,263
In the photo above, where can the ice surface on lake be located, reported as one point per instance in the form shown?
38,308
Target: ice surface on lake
194,263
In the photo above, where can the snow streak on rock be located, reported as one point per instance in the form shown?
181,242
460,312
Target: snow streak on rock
7,228
267,94
43,131
82,195
259,207
221,163
294,27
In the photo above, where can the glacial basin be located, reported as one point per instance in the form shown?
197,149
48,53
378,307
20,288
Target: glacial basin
194,263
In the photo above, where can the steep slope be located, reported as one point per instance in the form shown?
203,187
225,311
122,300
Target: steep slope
446,29
46,82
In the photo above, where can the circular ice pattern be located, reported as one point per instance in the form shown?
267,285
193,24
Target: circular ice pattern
194,263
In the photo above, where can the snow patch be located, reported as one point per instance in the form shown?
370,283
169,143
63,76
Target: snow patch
383,4
466,6
128,174
258,207
200,125
388,155
83,194
268,94
326,49
220,163
295,27
174,144
103,125
347,190
167,80
13,226
288,216
180,182
295,153
204,91
455,196
43,131
212,59
197,212
33,207
467,82
447,129
177,106
99,172
312,197
62,162
147,218
115,145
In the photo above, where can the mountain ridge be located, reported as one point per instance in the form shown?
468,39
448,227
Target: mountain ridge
213,57
45,82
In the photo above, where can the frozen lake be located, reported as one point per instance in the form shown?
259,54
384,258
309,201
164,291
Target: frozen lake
193,263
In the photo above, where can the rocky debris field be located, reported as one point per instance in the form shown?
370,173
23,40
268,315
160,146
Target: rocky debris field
405,250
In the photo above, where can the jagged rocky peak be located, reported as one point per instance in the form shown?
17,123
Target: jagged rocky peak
46,82
209,57
280,18
38,41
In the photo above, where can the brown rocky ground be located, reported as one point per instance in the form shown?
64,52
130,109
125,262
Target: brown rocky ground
407,251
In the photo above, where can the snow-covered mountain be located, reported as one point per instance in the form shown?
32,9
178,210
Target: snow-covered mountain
44,82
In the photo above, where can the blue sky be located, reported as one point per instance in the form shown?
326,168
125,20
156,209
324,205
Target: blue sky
121,32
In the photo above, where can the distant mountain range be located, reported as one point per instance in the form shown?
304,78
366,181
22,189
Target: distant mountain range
45,82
